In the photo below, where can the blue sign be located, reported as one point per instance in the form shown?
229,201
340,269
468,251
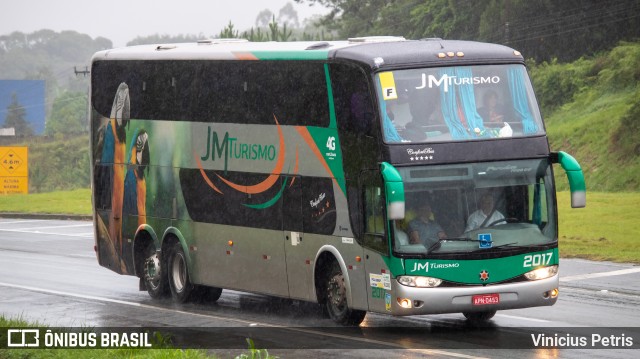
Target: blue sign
485,240
30,94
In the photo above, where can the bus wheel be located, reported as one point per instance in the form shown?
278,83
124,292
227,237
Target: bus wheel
206,294
479,317
336,300
181,286
154,277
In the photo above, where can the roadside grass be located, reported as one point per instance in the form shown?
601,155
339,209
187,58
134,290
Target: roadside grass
607,229
77,202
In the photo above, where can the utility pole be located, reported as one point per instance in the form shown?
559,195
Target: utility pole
507,10
84,72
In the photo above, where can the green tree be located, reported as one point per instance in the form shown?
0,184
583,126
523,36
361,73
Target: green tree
540,29
228,32
263,18
165,39
17,118
351,18
68,114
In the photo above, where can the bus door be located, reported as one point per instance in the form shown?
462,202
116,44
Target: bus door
297,251
375,242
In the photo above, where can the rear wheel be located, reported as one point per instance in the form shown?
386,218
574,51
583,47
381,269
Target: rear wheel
336,299
153,273
479,317
181,286
206,294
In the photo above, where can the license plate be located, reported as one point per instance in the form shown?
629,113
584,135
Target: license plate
486,299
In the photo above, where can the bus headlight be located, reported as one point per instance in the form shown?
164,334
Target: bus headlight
421,282
542,273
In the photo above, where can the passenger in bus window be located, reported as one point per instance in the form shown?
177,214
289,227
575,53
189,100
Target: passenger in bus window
423,229
479,218
425,112
493,113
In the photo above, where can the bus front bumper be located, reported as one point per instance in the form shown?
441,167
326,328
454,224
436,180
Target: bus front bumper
416,301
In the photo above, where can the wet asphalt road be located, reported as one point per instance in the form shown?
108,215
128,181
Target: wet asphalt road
49,274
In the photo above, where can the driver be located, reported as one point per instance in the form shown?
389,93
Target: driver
423,229
479,218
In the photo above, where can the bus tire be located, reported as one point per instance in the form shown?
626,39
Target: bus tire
206,294
178,273
154,274
479,317
336,300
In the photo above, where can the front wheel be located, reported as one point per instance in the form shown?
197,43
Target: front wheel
336,300
177,270
479,317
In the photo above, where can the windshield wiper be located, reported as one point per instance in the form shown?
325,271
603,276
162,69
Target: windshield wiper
454,239
498,246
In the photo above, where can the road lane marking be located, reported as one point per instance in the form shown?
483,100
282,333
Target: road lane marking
24,221
599,274
47,233
251,323
523,318
67,226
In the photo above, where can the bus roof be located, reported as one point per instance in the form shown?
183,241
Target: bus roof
376,52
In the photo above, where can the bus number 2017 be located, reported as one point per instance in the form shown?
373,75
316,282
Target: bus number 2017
537,259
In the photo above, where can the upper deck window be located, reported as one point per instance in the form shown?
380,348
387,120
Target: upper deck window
242,92
457,104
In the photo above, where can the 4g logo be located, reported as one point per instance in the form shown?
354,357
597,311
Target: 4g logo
331,143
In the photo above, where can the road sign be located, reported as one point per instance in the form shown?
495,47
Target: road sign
14,170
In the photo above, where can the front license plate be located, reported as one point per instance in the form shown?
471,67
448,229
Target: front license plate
485,299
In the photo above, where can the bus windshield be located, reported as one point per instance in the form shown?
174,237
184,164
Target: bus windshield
479,206
457,104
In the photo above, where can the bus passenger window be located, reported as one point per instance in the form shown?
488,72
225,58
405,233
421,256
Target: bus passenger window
374,219
352,98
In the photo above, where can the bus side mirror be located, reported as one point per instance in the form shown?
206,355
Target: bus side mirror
575,177
394,192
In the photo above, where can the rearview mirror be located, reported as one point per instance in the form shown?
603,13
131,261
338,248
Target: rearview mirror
575,177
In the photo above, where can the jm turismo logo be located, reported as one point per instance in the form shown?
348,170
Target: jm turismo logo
420,267
446,81
230,148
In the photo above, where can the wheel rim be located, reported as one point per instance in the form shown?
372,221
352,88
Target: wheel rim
152,271
179,272
337,295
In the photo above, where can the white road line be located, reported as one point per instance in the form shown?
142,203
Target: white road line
248,323
599,274
24,221
48,227
46,233
523,318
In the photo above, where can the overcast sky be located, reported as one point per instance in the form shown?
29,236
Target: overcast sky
123,20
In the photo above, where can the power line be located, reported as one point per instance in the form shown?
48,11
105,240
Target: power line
544,25
49,102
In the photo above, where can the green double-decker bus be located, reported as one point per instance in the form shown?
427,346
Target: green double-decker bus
375,174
